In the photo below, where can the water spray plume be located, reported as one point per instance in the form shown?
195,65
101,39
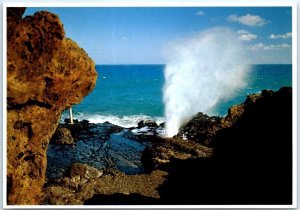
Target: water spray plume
199,72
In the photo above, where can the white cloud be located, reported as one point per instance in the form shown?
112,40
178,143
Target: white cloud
281,36
261,46
124,38
200,13
242,32
246,35
249,20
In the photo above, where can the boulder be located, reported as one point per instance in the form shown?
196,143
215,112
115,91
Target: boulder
116,129
148,123
201,128
46,73
62,136
84,171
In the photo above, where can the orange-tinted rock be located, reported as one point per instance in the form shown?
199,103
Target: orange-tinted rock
14,16
46,73
232,116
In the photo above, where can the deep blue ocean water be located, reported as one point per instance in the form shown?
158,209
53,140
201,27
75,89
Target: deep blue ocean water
126,94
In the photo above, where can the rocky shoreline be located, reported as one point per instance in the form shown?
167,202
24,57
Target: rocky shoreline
243,158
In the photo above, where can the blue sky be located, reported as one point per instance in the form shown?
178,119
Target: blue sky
138,35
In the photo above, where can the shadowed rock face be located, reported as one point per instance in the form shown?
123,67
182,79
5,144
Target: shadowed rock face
248,161
46,73
251,161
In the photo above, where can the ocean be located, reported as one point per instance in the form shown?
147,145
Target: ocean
127,94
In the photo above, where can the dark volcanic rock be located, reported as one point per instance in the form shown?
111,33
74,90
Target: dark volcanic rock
116,129
148,123
252,160
201,128
249,162
258,147
99,145
46,73
147,131
78,128
165,150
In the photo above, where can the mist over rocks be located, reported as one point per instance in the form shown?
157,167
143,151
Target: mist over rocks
251,159
201,128
200,70
46,73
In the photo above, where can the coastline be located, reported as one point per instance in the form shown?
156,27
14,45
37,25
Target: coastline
216,148
123,157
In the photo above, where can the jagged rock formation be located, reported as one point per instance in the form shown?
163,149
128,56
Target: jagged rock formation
201,128
164,150
46,73
248,161
251,161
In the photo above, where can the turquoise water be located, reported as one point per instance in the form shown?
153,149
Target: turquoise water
260,77
126,94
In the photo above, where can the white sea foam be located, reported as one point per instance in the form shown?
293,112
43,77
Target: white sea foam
124,121
200,71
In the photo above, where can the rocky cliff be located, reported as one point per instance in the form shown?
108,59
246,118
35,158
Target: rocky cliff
251,161
46,73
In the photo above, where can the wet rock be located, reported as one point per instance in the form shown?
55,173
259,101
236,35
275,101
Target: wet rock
162,125
147,123
83,129
200,128
147,131
79,128
116,129
143,135
97,145
46,73
124,154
